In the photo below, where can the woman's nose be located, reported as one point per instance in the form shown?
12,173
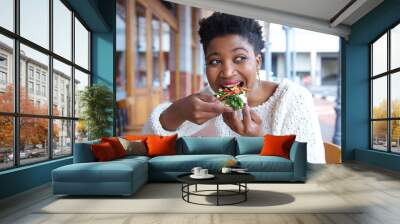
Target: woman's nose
228,70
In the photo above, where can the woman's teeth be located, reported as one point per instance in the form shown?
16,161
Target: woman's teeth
228,85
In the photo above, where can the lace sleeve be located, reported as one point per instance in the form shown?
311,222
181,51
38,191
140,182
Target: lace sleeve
153,125
302,120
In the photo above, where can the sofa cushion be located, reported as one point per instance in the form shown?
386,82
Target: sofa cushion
185,163
111,171
131,158
249,145
206,145
257,163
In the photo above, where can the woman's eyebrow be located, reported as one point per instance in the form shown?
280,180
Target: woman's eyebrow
239,48
234,49
211,54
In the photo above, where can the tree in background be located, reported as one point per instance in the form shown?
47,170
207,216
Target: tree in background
6,122
380,127
33,130
396,123
96,103
81,130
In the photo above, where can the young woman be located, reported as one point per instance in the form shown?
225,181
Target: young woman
232,47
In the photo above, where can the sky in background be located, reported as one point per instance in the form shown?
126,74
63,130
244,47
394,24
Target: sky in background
34,26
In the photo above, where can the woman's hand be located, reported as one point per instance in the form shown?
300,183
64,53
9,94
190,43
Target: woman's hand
249,126
197,108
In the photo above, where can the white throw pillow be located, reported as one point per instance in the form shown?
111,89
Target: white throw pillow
134,147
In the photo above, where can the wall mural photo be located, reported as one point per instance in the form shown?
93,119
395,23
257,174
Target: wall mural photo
217,74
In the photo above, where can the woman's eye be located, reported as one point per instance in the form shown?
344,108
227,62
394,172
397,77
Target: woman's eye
214,62
240,59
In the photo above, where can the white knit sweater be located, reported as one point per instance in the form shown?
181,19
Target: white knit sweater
290,110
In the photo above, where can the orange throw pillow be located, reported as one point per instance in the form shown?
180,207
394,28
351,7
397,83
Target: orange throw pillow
277,145
103,152
116,145
136,137
161,145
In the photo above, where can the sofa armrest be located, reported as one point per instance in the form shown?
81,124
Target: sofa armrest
83,152
298,155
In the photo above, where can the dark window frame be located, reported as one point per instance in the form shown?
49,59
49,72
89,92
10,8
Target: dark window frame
16,114
388,74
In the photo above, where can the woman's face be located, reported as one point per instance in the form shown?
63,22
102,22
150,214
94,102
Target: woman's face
230,59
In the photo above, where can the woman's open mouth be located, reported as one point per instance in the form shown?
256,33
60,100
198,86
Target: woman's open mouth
232,83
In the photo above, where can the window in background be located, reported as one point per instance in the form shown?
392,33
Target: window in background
395,47
385,94
156,46
81,45
166,48
42,135
395,95
379,56
141,77
30,87
395,136
62,72
379,98
379,133
7,14
30,72
40,62
62,141
62,29
6,142
81,81
7,74
33,141
34,21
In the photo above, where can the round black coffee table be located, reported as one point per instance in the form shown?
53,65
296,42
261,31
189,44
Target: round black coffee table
238,179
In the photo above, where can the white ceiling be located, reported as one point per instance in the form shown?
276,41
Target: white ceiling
315,15
322,9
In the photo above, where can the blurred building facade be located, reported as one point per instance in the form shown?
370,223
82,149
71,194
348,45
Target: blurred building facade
159,57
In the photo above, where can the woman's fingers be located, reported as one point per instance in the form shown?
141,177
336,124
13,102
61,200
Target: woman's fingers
233,121
249,126
206,97
215,107
227,118
209,103
246,116
201,117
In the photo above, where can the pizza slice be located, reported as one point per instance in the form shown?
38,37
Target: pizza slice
233,95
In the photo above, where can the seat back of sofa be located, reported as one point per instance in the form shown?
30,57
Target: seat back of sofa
83,152
249,145
206,145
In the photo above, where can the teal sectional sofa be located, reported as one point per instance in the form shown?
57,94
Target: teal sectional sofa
125,176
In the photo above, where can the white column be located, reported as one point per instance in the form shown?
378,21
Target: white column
185,26
267,52
314,70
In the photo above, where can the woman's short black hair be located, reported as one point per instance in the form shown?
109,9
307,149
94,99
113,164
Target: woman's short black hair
220,24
